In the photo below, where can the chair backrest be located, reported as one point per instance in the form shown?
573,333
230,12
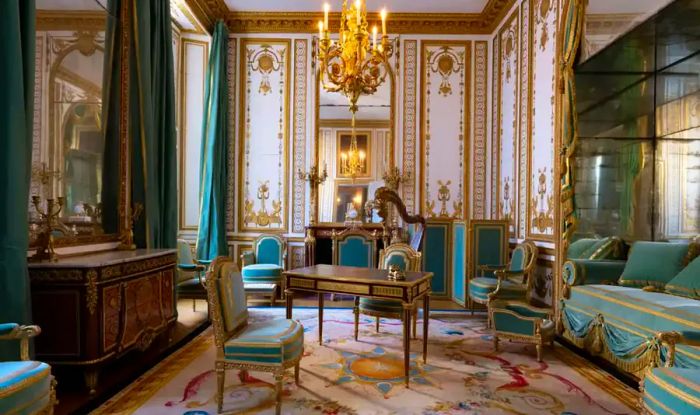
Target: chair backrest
524,259
269,249
184,252
354,247
227,299
488,244
402,255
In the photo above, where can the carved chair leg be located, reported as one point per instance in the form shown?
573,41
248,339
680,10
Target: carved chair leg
538,346
278,394
194,304
220,381
356,310
296,373
495,342
377,323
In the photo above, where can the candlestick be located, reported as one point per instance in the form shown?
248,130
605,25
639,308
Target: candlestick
326,9
374,37
383,16
358,13
320,30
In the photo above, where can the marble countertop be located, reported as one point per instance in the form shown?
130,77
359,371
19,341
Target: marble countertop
102,259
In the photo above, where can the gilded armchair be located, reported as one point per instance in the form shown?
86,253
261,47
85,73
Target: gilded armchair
190,281
26,386
267,346
407,259
354,247
263,266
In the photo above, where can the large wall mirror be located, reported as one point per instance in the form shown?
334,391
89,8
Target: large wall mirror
342,198
68,160
637,160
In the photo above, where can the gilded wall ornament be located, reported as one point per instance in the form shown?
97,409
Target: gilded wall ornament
265,61
543,11
444,196
542,205
507,201
446,62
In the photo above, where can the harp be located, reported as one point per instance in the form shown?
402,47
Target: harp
383,197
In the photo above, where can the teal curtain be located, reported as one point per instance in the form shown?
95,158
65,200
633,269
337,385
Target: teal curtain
211,240
111,102
152,124
17,43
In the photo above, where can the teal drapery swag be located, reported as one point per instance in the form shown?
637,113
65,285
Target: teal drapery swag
17,44
211,239
111,100
152,124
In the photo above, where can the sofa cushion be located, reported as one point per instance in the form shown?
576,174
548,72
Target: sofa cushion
653,263
267,343
25,387
578,247
686,282
640,313
672,390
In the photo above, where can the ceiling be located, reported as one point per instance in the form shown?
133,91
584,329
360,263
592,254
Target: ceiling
395,6
633,7
94,5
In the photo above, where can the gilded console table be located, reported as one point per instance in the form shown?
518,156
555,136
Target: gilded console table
92,309
364,282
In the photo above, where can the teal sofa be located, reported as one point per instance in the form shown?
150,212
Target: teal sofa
26,386
620,309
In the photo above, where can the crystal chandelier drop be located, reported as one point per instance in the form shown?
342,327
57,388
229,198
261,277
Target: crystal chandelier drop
353,66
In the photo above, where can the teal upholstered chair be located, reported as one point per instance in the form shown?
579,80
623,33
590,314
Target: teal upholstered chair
487,245
510,281
407,259
519,321
190,280
354,247
265,263
269,346
672,390
26,386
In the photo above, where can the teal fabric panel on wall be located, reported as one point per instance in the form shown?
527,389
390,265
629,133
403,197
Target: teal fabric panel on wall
152,125
488,246
459,262
436,256
355,252
17,45
211,239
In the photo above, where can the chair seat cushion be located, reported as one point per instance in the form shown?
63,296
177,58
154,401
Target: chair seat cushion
481,287
672,390
261,272
187,267
269,343
380,307
25,387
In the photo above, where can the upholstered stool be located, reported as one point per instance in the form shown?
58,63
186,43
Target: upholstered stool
671,390
516,320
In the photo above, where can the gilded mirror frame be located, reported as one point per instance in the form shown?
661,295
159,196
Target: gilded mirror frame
124,235
391,78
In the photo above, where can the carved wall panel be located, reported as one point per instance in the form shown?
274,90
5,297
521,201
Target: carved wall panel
263,135
301,75
479,151
410,71
445,130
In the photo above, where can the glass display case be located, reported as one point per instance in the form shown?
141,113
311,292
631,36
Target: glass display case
637,161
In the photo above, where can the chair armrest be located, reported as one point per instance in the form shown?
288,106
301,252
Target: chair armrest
491,267
247,258
191,267
590,271
13,331
205,262
672,338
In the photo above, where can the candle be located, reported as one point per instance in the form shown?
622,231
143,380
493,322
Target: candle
383,15
320,30
326,9
374,37
358,8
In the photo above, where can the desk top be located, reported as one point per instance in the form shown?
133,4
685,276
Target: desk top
102,259
356,274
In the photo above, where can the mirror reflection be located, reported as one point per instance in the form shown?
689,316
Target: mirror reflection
342,198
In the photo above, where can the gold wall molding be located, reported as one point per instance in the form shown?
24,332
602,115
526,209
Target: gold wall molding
609,23
410,69
301,72
495,127
71,20
525,84
365,124
231,156
480,116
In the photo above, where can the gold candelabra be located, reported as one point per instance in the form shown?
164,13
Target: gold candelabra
47,225
315,178
128,238
393,178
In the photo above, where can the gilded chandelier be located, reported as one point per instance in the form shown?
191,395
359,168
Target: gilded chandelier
353,66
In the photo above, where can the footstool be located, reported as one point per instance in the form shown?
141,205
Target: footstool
261,288
519,321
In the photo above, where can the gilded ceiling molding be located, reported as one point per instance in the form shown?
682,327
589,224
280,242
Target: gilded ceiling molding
347,123
186,11
70,20
609,23
208,11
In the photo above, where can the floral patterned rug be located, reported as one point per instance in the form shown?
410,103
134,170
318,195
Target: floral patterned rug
463,375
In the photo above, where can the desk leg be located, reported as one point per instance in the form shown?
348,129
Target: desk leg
407,311
290,301
320,319
426,318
